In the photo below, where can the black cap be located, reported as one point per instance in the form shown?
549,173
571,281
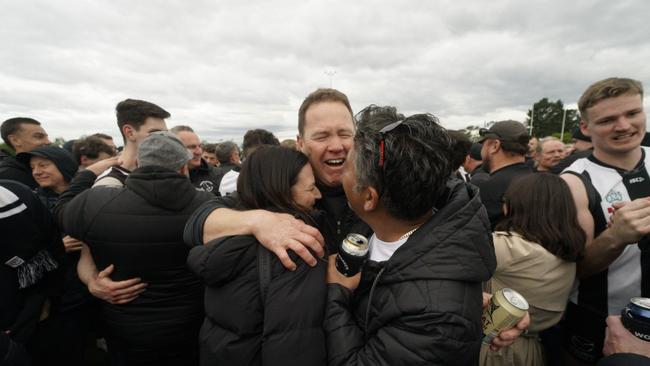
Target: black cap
59,156
578,135
475,151
505,131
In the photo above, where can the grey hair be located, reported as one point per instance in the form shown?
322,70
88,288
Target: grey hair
176,129
544,140
416,160
224,151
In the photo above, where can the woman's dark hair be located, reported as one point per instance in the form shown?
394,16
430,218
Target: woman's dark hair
266,178
541,209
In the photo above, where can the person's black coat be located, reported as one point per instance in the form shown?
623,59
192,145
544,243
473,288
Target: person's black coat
12,169
423,306
206,178
241,328
139,229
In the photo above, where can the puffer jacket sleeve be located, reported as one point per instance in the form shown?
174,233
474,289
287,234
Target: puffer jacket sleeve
428,338
193,233
69,211
221,259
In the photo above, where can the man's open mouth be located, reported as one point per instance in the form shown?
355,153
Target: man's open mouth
335,162
625,136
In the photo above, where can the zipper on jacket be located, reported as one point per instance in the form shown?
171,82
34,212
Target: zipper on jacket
372,291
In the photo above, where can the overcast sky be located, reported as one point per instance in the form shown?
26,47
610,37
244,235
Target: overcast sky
224,67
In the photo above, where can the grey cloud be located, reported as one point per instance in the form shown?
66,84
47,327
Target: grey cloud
228,66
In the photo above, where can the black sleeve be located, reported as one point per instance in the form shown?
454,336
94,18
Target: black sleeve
193,233
71,210
81,182
422,338
221,259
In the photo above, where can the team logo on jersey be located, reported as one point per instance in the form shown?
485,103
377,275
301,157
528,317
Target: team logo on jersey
207,186
636,180
614,196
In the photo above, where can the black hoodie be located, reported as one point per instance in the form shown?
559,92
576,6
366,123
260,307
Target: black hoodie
139,229
424,304
12,169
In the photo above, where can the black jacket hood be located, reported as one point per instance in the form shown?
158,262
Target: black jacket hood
161,187
455,243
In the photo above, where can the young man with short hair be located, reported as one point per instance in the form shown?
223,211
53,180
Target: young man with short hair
23,135
136,120
611,189
90,150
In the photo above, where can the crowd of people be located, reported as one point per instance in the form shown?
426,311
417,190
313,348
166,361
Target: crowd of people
173,251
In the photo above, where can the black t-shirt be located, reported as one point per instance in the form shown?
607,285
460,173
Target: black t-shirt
493,189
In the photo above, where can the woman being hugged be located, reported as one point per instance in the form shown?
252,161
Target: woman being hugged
537,245
258,312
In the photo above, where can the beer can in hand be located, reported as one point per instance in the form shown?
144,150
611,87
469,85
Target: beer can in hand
636,317
505,309
352,255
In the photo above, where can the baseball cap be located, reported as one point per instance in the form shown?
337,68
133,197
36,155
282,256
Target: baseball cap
63,160
578,135
164,149
475,151
505,131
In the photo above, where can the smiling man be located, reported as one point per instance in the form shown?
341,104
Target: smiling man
326,129
23,135
203,176
611,189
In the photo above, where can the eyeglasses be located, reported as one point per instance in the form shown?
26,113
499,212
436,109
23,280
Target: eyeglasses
382,150
382,137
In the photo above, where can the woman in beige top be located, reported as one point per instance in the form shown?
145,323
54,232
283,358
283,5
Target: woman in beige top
536,245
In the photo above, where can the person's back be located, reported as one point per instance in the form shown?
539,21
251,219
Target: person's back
138,229
257,311
536,246
504,146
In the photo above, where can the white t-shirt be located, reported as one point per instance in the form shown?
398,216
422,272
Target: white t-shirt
381,251
228,183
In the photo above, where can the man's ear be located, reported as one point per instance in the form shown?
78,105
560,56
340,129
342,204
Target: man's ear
299,142
15,141
185,170
129,132
496,146
370,199
583,128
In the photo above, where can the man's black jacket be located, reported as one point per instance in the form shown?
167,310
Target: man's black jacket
423,306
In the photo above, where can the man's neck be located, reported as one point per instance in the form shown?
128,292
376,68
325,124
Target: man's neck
389,229
128,157
626,161
502,160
